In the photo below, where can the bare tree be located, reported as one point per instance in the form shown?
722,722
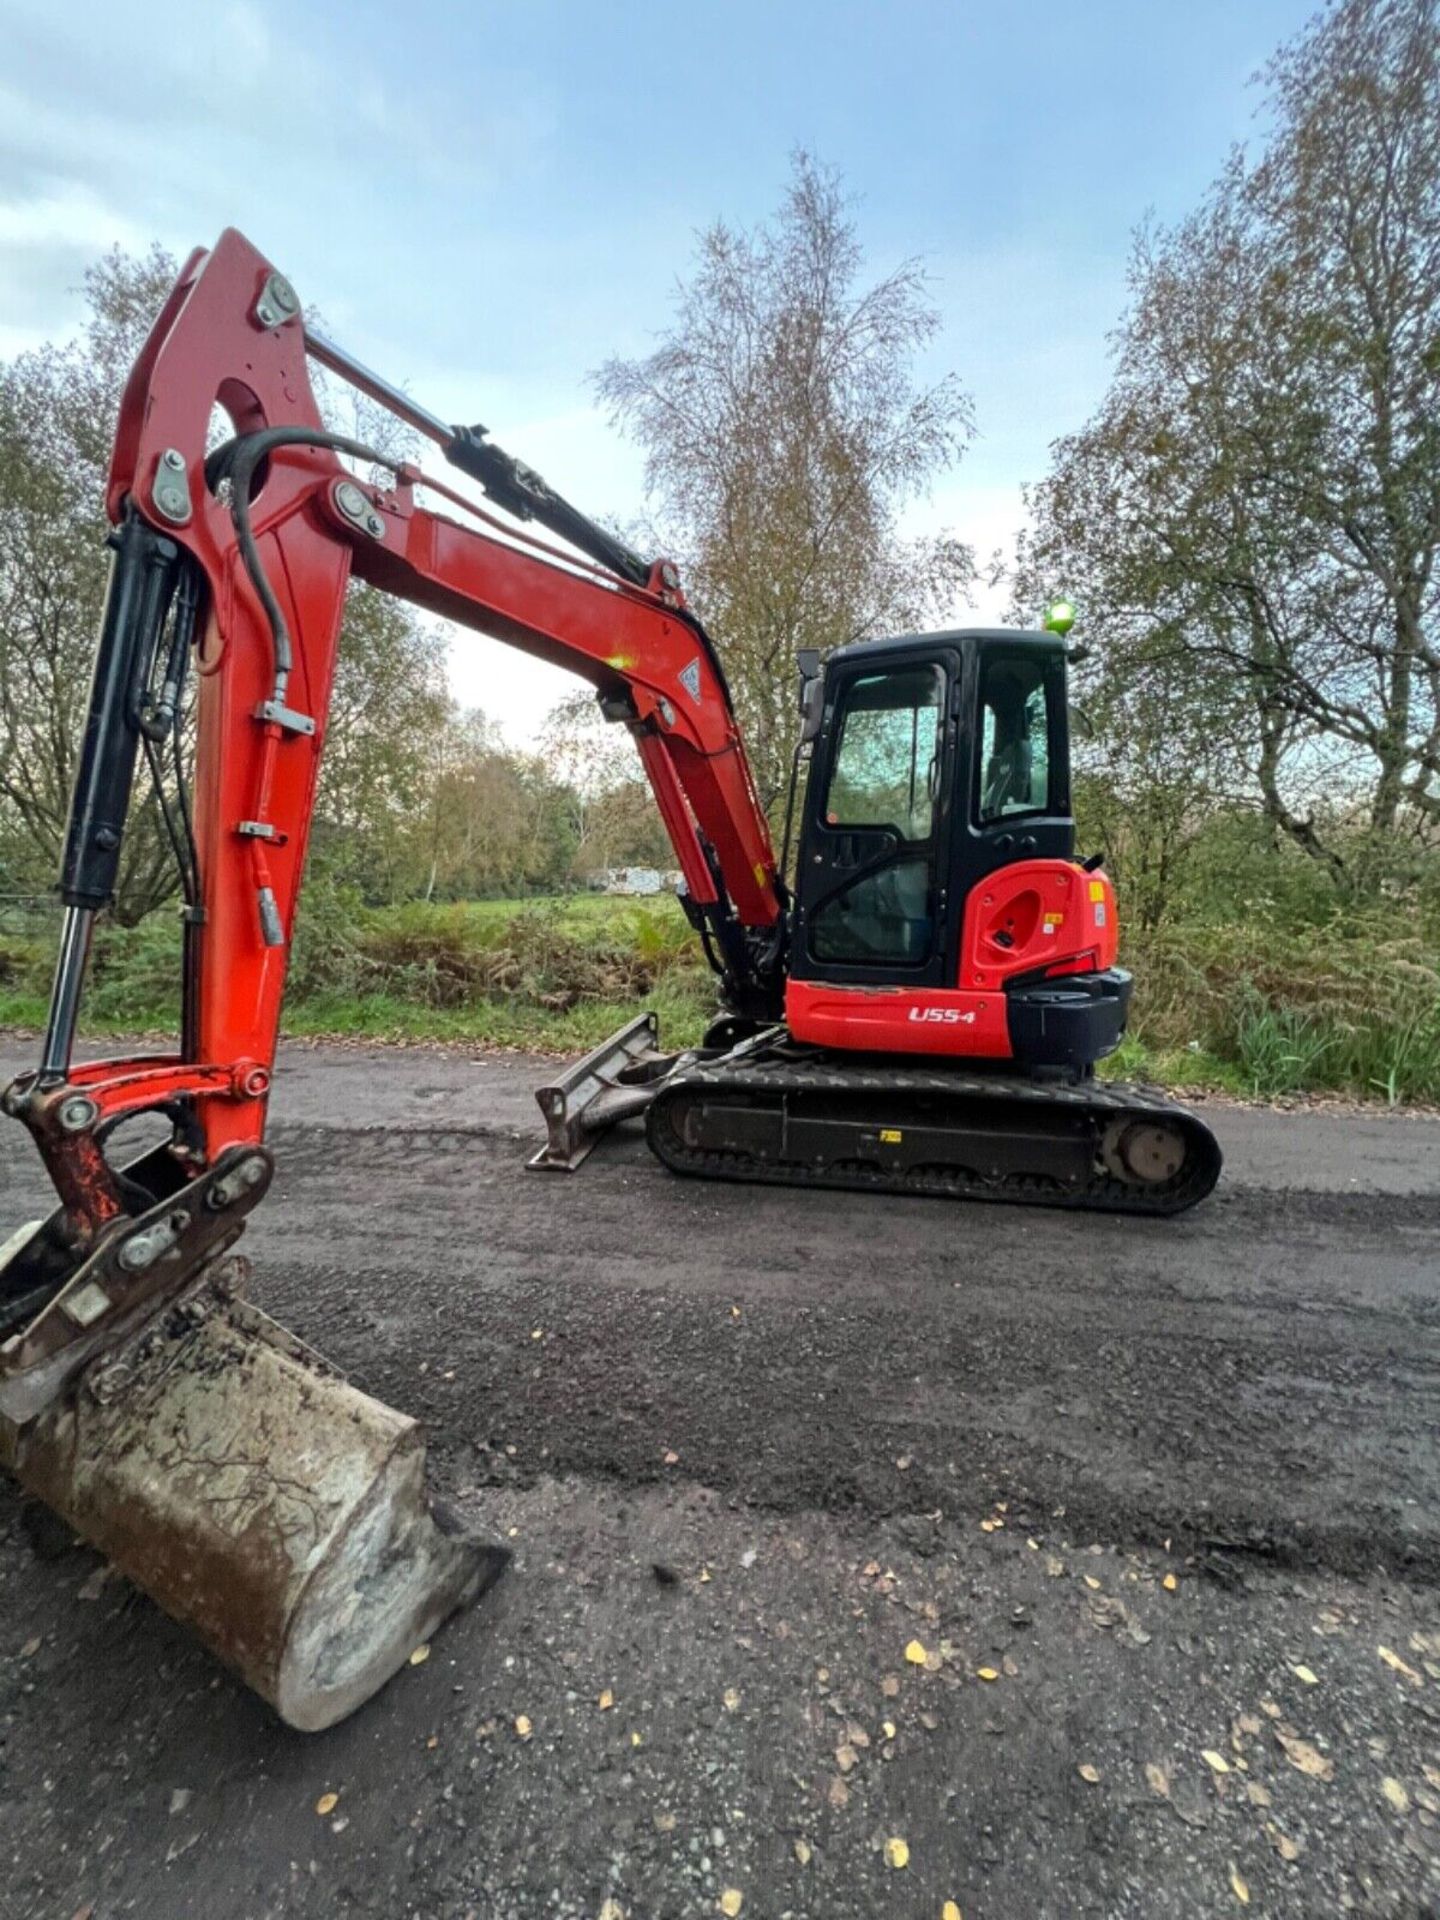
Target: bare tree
784,429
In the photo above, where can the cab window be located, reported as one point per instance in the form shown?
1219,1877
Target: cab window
1014,738
887,759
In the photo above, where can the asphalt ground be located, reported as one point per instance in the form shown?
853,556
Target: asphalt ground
1157,1503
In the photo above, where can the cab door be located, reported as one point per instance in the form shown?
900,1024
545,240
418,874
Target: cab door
870,887
1019,802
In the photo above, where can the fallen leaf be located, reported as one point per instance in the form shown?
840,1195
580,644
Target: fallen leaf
433,1742
1395,1793
1215,1761
915,1654
1304,1674
1159,1780
606,1700
934,1660
95,1585
1087,1771
846,1758
1308,1759
1248,1723
1170,1583
989,1526
1033,1544
30,1648
611,1910
839,1795
1054,1565
951,1912
672,1459
732,1699
327,1803
1009,1668
731,1901
537,1333
1260,1796
1393,1659
802,1852
666,1822
890,1685
637,1739
1270,1709
1092,1582
1239,1888
887,1727
523,1727
987,1673
420,1656
897,1853
1287,1848
871,1570
903,1463
704,1576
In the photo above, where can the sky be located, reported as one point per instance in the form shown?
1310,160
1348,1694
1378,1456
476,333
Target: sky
485,201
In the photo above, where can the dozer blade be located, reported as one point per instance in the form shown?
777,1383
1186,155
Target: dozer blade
257,1497
614,1082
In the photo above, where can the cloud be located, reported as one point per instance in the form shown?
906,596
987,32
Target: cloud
46,243
200,116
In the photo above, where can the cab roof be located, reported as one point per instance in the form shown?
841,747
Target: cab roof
948,636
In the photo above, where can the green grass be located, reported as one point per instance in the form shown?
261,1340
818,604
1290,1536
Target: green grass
1248,1008
385,1017
550,976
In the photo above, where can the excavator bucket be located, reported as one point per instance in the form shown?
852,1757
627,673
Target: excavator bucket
255,1495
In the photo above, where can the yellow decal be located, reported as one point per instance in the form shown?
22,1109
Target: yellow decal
1053,920
760,874
891,1136
1097,889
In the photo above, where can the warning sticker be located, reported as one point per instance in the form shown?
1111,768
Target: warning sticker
690,678
891,1136
1097,889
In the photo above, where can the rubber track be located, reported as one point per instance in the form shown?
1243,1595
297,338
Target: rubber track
766,1082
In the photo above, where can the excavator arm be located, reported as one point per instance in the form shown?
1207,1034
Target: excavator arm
238,525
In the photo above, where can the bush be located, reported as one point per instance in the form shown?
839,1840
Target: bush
1350,1005
449,957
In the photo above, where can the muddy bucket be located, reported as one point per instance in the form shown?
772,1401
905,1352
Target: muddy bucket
259,1499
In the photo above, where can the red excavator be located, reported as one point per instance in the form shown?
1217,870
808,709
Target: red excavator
919,1009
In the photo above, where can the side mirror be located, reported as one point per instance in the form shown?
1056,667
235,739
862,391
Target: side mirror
812,692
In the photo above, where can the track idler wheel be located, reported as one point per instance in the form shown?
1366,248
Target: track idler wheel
258,1498
1143,1153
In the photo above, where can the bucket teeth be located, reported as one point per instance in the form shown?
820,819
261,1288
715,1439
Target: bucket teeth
258,1498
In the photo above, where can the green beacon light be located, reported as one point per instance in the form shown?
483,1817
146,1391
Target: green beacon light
1059,617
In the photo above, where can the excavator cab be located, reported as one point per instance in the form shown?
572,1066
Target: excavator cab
937,898
936,759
